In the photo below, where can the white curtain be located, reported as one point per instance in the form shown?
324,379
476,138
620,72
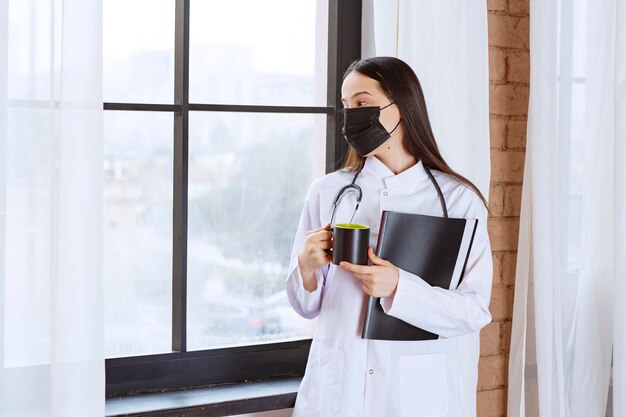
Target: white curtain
569,314
51,316
445,42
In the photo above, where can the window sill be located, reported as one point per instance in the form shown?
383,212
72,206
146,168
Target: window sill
211,401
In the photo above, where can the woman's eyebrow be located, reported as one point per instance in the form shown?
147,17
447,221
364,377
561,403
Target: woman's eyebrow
356,94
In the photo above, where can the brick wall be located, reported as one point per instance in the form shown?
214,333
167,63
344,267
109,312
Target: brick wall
509,73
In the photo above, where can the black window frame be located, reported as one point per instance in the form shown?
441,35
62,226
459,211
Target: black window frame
180,368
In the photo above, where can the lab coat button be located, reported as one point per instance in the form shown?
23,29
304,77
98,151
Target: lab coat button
385,193
371,371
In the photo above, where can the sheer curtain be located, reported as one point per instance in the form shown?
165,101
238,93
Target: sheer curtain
567,345
51,320
445,42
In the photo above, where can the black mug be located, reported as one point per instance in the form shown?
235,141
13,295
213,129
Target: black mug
350,243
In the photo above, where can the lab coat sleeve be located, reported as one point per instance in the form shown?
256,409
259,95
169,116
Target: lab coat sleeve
448,313
305,303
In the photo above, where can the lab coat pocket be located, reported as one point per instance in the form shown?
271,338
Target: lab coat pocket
326,379
423,385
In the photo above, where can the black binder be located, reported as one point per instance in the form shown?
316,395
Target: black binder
434,248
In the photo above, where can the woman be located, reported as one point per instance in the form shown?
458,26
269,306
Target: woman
349,376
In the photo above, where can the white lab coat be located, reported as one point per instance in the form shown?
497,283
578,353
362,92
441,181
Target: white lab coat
347,376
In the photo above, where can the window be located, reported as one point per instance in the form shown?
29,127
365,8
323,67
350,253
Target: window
217,116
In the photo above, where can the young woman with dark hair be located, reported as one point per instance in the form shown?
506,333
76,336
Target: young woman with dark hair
392,155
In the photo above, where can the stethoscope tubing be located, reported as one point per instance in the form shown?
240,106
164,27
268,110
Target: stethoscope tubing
356,188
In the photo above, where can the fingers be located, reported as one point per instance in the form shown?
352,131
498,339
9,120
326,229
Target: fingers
320,236
316,242
325,244
374,258
319,229
366,269
366,289
356,269
327,258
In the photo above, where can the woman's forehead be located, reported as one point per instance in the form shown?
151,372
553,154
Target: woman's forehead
356,83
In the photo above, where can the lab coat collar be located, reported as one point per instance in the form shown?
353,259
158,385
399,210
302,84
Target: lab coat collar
409,177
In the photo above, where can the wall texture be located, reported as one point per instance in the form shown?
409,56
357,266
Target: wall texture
509,74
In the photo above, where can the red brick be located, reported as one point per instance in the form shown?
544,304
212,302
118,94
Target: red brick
512,200
496,5
497,258
507,166
508,32
490,339
492,372
516,134
496,200
497,132
509,74
491,403
519,7
501,304
518,66
508,100
503,233
508,268
505,331
497,64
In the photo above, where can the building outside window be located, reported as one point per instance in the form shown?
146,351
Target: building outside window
217,117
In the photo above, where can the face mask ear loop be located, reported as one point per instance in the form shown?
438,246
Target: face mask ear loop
394,129
383,108
398,124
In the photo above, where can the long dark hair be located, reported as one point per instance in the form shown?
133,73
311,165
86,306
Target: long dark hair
400,84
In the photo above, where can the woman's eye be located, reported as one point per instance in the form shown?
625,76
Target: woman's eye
362,103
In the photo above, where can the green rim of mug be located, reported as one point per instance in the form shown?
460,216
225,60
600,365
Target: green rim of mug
351,226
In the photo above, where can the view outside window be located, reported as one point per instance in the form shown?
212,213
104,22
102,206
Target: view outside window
138,48
137,261
258,52
248,176
248,172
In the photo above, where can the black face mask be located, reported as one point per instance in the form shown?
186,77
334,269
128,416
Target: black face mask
363,130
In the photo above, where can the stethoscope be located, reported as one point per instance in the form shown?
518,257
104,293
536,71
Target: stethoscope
350,187
353,186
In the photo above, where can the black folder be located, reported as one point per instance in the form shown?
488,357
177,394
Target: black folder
434,248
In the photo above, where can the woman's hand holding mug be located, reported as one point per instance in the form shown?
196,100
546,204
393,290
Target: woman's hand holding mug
349,242
314,255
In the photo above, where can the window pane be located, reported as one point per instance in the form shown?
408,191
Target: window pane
138,51
138,157
258,52
248,177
